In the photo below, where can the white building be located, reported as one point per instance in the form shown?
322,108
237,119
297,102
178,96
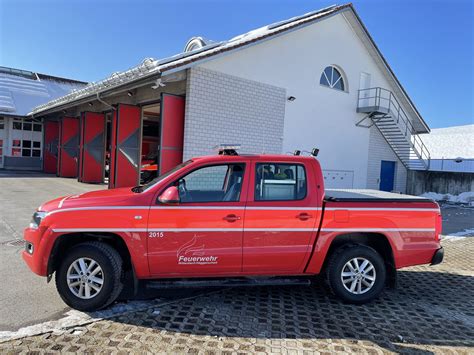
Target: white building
317,80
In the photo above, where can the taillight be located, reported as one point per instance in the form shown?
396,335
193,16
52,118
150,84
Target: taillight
439,226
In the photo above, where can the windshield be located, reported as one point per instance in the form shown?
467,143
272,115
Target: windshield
161,177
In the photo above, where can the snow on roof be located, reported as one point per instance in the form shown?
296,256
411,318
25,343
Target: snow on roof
20,93
150,66
451,142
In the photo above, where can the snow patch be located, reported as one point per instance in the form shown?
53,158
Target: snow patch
459,235
75,319
464,197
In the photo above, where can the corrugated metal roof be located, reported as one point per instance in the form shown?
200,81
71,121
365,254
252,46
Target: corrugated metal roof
20,93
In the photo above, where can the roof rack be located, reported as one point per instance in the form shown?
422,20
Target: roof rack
227,149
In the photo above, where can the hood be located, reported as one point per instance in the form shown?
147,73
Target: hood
113,197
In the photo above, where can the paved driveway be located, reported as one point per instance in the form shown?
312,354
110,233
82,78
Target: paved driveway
432,309
26,298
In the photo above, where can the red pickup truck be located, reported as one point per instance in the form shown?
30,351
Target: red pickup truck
230,219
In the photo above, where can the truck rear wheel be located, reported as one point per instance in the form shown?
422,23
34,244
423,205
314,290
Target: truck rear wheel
356,273
89,277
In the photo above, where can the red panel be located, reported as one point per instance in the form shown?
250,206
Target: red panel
125,150
92,147
68,142
172,132
51,146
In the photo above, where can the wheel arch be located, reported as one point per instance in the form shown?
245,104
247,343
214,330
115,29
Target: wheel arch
378,241
67,241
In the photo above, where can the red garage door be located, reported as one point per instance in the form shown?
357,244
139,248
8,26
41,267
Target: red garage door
68,147
92,147
125,146
172,132
51,142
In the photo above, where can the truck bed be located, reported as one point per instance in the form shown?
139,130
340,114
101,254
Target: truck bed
362,195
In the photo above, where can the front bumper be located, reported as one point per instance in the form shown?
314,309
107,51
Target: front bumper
437,257
36,259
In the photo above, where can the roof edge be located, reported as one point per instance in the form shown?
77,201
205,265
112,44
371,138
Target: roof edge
366,31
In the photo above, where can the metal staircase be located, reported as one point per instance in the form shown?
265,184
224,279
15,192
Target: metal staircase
384,111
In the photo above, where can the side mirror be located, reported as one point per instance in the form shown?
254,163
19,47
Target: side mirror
170,196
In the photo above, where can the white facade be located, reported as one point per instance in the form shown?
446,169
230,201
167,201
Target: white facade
320,116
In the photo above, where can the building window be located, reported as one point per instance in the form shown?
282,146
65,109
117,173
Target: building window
27,125
26,148
332,77
2,123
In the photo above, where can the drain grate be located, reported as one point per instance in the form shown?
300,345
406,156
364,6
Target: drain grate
13,243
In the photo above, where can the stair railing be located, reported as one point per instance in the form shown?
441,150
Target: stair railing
385,99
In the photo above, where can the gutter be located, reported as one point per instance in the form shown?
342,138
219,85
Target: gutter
99,96
105,103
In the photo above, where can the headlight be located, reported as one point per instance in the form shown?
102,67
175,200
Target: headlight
36,220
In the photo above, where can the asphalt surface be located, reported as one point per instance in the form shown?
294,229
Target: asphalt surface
457,219
26,299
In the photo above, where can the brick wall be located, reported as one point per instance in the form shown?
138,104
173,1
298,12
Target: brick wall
380,150
221,108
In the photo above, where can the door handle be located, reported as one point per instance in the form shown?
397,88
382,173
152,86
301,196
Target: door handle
304,216
231,218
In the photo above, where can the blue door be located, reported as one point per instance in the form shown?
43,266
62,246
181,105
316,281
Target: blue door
387,175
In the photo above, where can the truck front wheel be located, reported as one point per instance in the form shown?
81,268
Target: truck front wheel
89,276
356,273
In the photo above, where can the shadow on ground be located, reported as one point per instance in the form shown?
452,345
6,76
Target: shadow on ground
429,308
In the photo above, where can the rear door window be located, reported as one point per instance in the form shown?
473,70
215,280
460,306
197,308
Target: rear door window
280,182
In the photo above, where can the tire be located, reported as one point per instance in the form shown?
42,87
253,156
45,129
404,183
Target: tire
346,278
104,281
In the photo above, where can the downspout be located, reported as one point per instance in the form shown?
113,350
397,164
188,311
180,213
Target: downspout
105,103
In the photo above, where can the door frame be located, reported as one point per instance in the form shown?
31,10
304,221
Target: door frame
394,164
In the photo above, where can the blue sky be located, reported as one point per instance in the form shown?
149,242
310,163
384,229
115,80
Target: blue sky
429,44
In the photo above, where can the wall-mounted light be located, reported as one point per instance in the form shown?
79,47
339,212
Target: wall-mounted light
91,104
129,93
64,111
291,98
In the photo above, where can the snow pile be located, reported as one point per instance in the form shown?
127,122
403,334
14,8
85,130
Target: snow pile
459,235
464,197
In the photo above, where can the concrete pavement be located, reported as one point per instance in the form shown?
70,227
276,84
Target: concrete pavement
26,298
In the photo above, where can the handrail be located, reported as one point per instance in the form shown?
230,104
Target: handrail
384,98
